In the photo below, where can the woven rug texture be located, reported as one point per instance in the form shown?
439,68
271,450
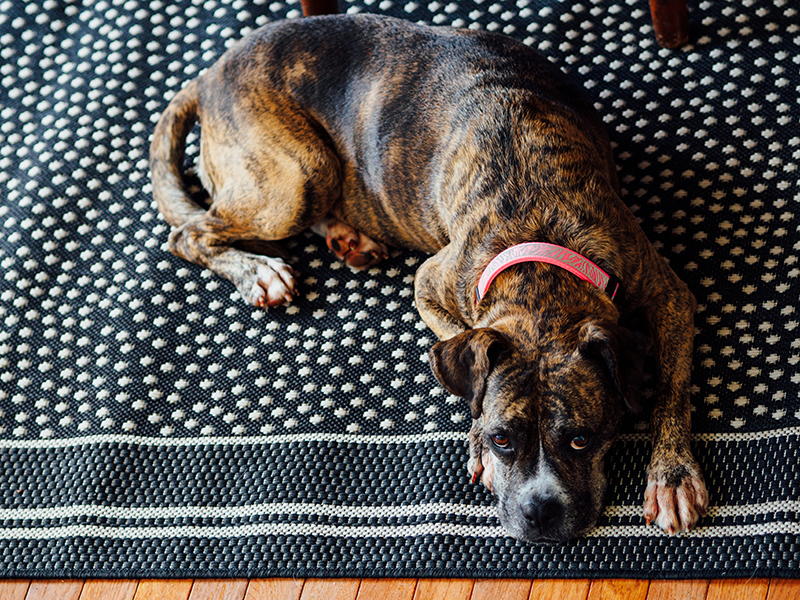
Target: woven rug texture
153,425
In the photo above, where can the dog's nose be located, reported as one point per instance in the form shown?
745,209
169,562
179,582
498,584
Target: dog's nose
543,513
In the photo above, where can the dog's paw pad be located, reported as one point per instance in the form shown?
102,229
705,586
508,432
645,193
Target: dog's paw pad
354,248
675,502
271,283
341,240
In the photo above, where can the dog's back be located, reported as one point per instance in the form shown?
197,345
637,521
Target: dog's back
449,113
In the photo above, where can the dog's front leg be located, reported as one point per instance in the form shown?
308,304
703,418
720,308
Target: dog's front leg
676,496
434,294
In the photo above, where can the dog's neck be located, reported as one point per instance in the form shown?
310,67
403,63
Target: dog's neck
527,297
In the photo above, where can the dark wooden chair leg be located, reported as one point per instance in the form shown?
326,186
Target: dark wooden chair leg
670,22
319,7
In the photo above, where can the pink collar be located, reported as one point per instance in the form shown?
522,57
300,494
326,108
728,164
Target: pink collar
554,255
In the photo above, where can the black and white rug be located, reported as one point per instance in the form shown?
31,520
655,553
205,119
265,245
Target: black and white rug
151,424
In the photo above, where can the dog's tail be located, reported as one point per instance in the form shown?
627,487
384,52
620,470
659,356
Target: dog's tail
167,154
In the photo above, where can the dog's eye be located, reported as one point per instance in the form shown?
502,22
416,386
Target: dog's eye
500,440
580,442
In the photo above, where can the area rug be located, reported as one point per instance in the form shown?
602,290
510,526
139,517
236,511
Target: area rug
153,425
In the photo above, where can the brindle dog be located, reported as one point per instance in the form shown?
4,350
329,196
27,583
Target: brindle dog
374,131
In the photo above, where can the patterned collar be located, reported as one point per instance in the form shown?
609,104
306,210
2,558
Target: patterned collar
565,258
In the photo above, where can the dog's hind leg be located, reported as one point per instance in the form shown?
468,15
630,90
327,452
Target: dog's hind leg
261,280
268,181
245,214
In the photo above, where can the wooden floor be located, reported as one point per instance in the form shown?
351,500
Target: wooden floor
402,589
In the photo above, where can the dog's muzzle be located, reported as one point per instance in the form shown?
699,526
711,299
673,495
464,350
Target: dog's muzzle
544,515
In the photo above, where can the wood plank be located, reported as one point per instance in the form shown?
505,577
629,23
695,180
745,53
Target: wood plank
690,589
107,589
219,589
784,589
55,590
740,589
561,589
454,589
505,589
274,589
330,589
164,589
444,589
14,589
386,589
619,589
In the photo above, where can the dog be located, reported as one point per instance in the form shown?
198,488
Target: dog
375,132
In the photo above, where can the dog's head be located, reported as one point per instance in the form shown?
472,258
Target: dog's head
547,416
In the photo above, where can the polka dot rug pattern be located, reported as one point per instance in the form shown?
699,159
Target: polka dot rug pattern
152,424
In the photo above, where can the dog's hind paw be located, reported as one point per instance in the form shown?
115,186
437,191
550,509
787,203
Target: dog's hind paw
675,498
267,282
354,248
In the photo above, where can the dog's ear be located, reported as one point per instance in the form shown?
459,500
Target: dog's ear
623,353
462,364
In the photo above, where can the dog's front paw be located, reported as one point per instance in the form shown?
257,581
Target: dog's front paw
676,495
474,469
481,464
482,470
267,282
